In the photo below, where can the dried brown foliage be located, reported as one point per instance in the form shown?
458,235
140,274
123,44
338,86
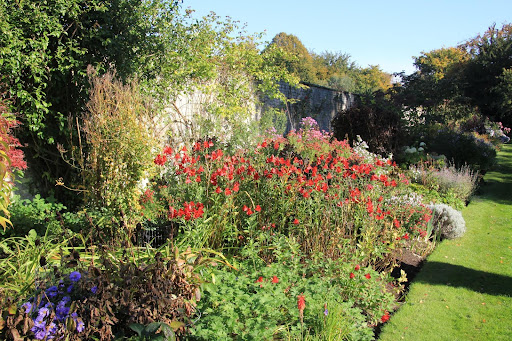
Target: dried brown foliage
163,291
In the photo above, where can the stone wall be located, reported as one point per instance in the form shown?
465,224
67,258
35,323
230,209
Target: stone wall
309,100
318,102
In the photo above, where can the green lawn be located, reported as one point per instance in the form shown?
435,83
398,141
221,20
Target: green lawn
464,290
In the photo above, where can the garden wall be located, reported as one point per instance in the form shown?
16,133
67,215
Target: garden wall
318,102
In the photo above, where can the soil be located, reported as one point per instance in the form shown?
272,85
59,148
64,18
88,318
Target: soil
410,262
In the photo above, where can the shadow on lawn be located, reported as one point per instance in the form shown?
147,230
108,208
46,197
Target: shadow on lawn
438,273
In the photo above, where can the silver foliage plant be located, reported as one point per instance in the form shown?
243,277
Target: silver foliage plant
447,221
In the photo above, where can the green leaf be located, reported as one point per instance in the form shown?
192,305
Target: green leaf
152,328
137,327
175,325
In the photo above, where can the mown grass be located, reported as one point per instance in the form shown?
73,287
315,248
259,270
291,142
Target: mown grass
464,290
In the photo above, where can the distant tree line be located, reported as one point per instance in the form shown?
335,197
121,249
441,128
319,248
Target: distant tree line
330,69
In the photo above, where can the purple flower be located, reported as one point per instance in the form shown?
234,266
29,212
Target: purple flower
28,307
65,300
326,312
75,276
70,289
39,329
80,327
94,289
62,311
52,291
43,312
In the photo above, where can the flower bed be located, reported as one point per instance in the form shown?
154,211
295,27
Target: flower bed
308,226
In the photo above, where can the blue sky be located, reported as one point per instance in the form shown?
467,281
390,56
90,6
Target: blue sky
385,33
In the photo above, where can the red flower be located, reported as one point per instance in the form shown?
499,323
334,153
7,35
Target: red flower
160,160
258,208
227,191
275,279
368,276
385,317
301,303
259,280
357,267
296,221
352,275
236,187
168,151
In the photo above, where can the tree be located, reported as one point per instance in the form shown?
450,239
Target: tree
299,61
371,79
45,48
486,72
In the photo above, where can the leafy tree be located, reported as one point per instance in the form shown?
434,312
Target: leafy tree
45,47
299,61
371,79
486,73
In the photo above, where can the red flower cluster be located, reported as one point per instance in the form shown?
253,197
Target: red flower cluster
147,196
189,211
160,160
385,317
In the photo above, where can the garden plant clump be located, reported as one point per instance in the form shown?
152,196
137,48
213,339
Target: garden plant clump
447,221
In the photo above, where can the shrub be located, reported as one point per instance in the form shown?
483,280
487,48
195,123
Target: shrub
461,148
120,129
11,158
449,180
376,119
38,214
447,221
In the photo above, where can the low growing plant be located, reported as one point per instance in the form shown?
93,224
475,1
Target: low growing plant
447,221
259,301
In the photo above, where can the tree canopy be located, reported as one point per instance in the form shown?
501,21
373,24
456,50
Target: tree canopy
331,69
474,74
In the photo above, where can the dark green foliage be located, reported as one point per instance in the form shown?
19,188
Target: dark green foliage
486,74
38,214
376,119
45,48
461,148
